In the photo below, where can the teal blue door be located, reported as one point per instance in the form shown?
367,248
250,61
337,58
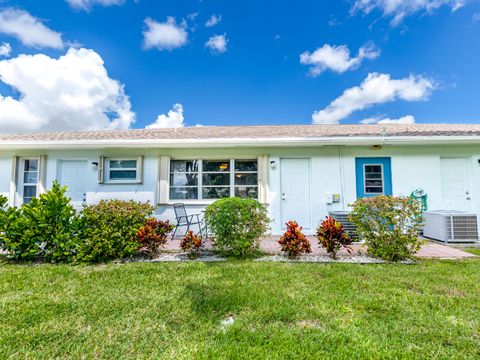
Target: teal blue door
373,176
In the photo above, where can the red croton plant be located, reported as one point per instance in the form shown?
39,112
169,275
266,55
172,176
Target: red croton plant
333,237
153,235
293,242
191,243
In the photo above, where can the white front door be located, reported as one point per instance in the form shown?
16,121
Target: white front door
295,196
73,174
456,184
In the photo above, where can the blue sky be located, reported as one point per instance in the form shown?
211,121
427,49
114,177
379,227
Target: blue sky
422,60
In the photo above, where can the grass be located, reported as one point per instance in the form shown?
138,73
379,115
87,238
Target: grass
174,310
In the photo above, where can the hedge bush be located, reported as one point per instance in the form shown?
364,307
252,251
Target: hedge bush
43,230
389,226
294,242
237,224
108,230
152,236
332,237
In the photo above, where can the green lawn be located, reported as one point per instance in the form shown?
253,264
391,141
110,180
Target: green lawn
154,310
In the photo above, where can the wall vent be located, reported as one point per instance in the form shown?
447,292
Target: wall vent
342,216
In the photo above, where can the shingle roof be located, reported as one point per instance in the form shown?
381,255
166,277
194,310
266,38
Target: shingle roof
253,132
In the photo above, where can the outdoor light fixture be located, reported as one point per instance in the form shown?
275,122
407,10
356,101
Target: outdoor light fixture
273,164
95,164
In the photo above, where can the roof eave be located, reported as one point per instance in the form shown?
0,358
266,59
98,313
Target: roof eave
240,142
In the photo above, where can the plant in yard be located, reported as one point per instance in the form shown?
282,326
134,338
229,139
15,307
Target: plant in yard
43,230
389,226
191,243
153,235
237,224
332,237
294,242
108,230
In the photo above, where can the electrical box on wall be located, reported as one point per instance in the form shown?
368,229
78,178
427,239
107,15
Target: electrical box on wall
332,198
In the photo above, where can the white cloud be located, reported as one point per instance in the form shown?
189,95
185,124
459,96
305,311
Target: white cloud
88,4
73,92
173,119
28,29
214,20
164,36
375,89
5,49
217,44
337,58
399,9
476,17
408,119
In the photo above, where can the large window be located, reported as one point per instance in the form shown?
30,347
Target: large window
213,179
28,178
121,170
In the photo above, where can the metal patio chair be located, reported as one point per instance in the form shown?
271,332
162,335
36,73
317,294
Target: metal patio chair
183,219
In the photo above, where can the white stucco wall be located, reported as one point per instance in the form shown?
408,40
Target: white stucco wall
412,167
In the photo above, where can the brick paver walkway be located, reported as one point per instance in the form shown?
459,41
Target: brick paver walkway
270,246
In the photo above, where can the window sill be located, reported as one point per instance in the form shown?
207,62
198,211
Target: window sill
135,182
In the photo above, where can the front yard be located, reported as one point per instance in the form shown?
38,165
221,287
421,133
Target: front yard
280,310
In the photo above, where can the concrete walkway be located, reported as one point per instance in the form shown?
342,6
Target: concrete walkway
269,245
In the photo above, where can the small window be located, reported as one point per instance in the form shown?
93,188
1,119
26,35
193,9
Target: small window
373,177
122,170
29,179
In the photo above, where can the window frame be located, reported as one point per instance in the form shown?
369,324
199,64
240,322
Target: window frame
200,186
137,170
21,177
382,178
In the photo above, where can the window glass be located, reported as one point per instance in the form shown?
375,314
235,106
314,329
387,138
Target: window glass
373,176
30,179
215,192
184,193
123,164
246,192
217,166
246,165
185,179
246,179
184,166
216,179
122,169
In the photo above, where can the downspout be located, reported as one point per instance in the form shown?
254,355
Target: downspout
342,178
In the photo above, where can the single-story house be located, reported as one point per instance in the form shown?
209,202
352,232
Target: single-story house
301,172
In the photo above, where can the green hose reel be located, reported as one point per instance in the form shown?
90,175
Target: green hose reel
421,197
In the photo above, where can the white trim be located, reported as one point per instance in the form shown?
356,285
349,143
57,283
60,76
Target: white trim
239,142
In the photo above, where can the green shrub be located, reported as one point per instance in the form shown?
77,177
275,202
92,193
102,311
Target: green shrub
108,230
237,224
389,226
153,236
42,230
294,242
192,244
332,237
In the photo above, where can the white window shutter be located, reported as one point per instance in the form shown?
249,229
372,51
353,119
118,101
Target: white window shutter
13,181
263,188
164,180
140,169
42,175
101,167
